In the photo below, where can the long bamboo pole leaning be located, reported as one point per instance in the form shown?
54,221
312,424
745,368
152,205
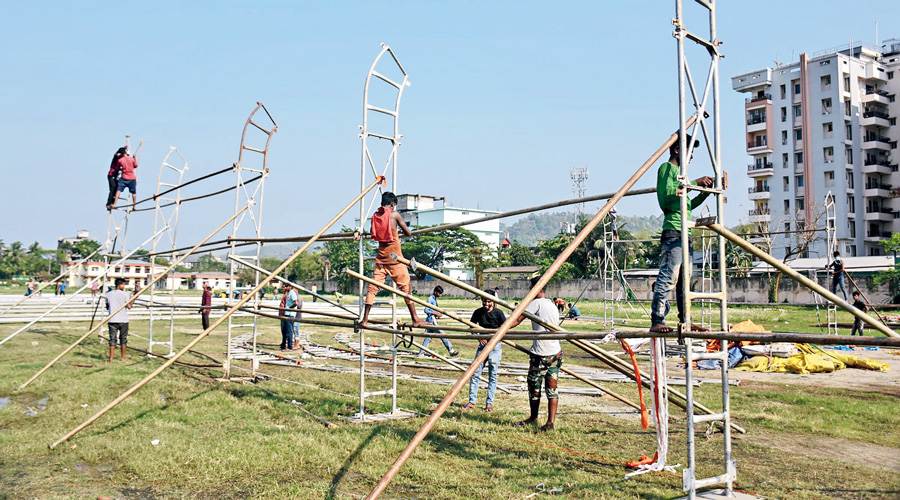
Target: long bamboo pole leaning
132,298
84,287
246,297
507,342
808,283
676,397
542,282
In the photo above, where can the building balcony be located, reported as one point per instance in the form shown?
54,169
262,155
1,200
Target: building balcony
878,190
876,118
876,236
756,124
756,80
874,71
759,193
877,167
760,169
759,99
884,215
876,95
757,216
876,142
758,147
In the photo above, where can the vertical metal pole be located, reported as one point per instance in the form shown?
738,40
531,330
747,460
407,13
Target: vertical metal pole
361,262
685,249
394,356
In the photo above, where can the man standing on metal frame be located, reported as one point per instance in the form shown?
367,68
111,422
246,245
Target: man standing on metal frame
668,194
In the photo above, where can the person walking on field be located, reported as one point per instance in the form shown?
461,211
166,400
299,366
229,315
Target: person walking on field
118,324
288,301
205,300
62,288
668,194
128,167
386,226
431,318
112,177
486,316
837,275
95,287
545,360
858,323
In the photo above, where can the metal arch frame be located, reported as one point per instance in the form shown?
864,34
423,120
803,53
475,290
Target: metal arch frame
713,142
831,246
252,199
166,214
390,162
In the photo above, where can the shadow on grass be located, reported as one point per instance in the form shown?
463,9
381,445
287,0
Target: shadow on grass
336,480
144,413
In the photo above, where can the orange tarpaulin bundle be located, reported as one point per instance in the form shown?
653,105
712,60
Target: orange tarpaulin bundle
746,326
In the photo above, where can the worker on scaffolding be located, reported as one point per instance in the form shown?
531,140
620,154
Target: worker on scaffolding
386,223
112,177
668,194
837,275
128,167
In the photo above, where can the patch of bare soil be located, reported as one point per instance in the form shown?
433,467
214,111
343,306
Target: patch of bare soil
846,451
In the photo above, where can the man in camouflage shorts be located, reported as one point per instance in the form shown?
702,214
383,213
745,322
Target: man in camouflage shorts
545,359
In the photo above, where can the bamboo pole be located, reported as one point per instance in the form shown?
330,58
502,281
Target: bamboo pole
72,296
131,299
426,304
542,282
815,287
676,397
246,297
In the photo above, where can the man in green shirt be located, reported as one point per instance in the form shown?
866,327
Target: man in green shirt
668,193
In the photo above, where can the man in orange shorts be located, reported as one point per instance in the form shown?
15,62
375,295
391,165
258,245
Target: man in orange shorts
385,224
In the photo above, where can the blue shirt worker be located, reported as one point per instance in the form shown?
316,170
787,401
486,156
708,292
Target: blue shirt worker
431,317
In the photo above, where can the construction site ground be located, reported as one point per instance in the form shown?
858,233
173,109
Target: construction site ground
189,435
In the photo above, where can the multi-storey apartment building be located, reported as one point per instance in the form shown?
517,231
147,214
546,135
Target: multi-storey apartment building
826,124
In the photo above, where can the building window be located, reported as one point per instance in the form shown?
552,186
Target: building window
784,159
826,82
849,181
829,178
890,75
783,92
848,132
847,108
787,207
797,112
800,205
798,158
826,106
799,181
848,152
825,63
852,229
828,154
787,226
796,89
783,113
853,250
784,137
786,183
892,121
847,84
798,134
827,130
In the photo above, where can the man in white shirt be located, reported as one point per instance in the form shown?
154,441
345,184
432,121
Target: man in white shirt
118,323
545,359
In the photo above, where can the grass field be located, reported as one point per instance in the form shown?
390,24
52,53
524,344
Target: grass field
217,439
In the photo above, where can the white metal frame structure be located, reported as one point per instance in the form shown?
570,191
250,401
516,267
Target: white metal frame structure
687,89
367,132
831,246
166,218
707,274
252,197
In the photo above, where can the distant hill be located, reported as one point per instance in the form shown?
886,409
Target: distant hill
535,227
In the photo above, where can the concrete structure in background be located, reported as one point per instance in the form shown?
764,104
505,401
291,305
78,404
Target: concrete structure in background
511,273
137,271
420,210
826,123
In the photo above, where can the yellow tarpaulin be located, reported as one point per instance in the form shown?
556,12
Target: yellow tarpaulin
809,363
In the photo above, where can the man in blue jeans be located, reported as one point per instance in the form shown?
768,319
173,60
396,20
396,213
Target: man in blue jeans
486,316
668,194
431,318
837,275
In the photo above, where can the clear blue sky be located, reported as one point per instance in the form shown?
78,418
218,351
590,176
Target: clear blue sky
506,98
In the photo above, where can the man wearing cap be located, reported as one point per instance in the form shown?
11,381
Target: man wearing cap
668,194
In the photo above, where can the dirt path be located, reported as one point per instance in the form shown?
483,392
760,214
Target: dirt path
842,450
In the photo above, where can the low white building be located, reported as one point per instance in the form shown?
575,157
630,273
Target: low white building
136,271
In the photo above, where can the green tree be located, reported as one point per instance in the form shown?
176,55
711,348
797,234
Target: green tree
433,249
521,255
890,276
83,248
550,250
208,263
308,266
344,254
